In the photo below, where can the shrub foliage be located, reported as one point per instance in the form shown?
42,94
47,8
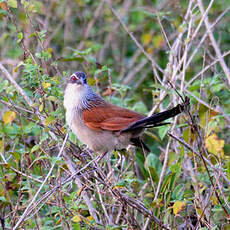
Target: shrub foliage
143,55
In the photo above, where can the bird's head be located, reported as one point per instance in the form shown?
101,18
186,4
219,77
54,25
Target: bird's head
77,91
78,79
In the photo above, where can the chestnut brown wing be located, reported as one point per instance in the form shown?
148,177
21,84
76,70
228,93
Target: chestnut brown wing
109,117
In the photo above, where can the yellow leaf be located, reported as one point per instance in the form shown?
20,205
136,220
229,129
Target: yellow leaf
146,38
76,218
7,166
34,105
41,107
46,85
214,200
176,23
58,221
158,41
49,120
199,211
206,118
150,50
180,29
118,187
90,218
178,206
17,67
2,146
50,50
9,116
91,81
215,145
187,40
63,130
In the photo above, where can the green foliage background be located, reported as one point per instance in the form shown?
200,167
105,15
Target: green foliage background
43,42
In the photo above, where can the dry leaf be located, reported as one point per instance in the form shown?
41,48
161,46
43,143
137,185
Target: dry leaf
158,41
46,85
215,145
3,5
76,219
9,116
146,38
178,206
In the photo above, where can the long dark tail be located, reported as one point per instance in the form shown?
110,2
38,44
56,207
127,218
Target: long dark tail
156,119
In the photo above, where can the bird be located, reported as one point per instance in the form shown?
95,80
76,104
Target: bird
105,127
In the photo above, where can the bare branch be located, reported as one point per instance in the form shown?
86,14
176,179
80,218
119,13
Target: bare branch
214,43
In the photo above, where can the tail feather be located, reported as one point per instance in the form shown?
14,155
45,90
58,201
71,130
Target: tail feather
156,119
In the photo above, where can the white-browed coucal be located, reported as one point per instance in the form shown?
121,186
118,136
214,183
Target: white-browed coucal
103,126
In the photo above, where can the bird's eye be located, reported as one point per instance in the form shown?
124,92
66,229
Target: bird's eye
73,78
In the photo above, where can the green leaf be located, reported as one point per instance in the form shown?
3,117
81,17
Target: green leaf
32,35
98,71
228,169
35,148
163,130
76,226
41,158
25,187
72,137
16,155
3,85
66,59
46,55
38,55
31,129
176,168
11,130
3,199
83,53
12,3
166,182
44,137
42,34
20,37
56,160
153,163
120,184
178,192
140,107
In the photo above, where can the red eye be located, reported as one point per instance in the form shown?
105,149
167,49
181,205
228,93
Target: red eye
73,78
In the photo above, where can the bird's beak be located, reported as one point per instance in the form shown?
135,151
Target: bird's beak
78,81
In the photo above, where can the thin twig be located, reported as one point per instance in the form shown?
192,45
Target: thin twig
214,43
197,47
15,84
133,38
165,165
19,172
79,184
194,151
42,185
188,84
